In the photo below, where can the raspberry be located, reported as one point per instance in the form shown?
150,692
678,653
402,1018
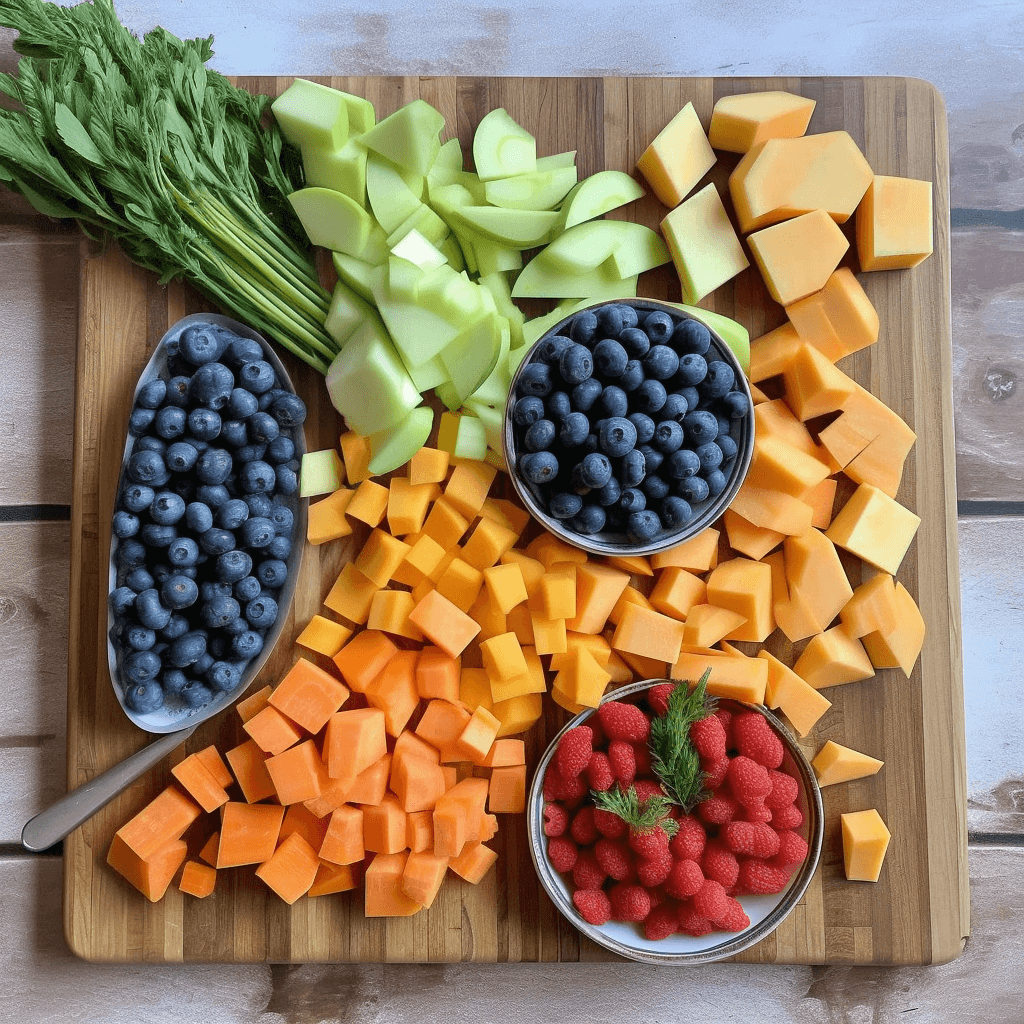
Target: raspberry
652,843
792,849
562,853
657,894
787,818
624,722
583,829
758,876
574,790
599,772
652,871
708,737
587,873
725,717
642,755
657,697
735,919
750,839
615,858
623,761
646,788
661,922
689,841
760,813
715,772
629,902
748,781
756,739
569,791
719,863
556,820
608,824
785,790
600,740
574,750
717,810
691,923
593,905
684,880
711,902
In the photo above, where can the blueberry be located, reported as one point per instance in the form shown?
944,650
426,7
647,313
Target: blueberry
632,500
263,428
219,612
124,524
204,424
550,349
652,457
139,579
256,478
235,626
280,450
145,467
223,676
635,342
144,696
162,573
668,437
540,436
675,512
728,446
691,336
178,388
589,520
149,443
213,495
198,516
535,379
724,423
583,328
152,393
693,489
659,326
701,426
610,320
232,514
610,358
122,600
177,625
716,482
735,405
195,695
614,402
576,364
683,464
692,396
609,494
288,410
247,589
212,385
644,426
130,553
564,505
259,504
675,407
575,428
650,396
139,638
210,591
630,317
268,398
634,467
155,536
181,456
536,467
595,470
693,369
140,420
199,344
660,363
233,566
216,541
213,466
170,422
242,404
172,681
250,453
591,444
617,436
167,508
247,645
151,612
141,666
527,410
241,351
719,380
642,526
632,377
261,612
283,519
280,547
710,456
655,487
179,592
585,394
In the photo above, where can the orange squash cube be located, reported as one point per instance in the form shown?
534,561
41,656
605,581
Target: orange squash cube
383,887
833,658
598,589
745,587
296,773
428,466
355,740
369,503
507,791
351,595
900,645
326,518
355,451
408,504
249,765
474,862
421,880
443,624
384,826
291,869
248,833
363,658
197,879
323,636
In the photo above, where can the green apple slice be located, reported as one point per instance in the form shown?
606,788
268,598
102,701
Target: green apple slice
640,249
428,375
542,190
332,219
320,473
392,197
497,286
343,170
360,276
348,310
471,440
585,246
395,446
418,250
556,160
502,148
311,114
597,194
544,278
519,229
494,258
426,222
403,280
410,137
472,356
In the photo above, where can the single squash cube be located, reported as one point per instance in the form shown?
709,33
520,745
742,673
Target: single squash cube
839,319
865,840
894,223
875,527
833,658
323,636
326,518
678,157
900,645
747,119
351,595
835,763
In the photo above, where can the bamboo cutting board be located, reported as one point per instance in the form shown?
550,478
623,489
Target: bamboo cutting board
917,913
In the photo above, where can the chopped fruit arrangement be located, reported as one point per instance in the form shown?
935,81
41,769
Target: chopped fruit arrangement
663,816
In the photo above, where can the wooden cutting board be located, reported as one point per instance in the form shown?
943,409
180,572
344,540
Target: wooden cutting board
917,913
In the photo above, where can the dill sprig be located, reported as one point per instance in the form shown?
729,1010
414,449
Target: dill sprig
673,756
641,817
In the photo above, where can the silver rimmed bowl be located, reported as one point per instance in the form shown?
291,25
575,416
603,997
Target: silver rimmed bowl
766,912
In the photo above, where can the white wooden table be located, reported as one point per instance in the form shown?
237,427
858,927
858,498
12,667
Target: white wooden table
973,54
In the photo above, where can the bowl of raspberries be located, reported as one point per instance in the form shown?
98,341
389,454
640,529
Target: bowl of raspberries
673,828
629,427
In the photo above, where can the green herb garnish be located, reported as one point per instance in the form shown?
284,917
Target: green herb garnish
645,817
140,143
673,756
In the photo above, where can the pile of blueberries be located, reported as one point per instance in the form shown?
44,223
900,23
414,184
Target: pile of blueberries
624,421
204,520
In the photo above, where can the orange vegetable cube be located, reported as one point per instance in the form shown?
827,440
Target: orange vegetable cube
531,570
326,518
875,528
423,557
706,624
445,524
504,753
597,644
163,820
389,613
648,633
424,872
249,765
384,826
457,816
698,554
152,876
460,583
209,851
894,223
199,783
355,740
900,645
308,695
296,773
343,841
475,740
438,674
798,701
598,589
676,592
839,319
488,616
507,791
835,763
629,596
753,541
394,691
618,669
773,510
369,503
419,829
291,869
333,793
520,621
331,878
248,833
739,678
583,682
416,782
551,551
474,862
821,499
369,786
298,818
428,466
253,704
635,565
323,636
355,451
363,658
813,569
197,879
548,634
646,668
408,504
872,608
475,689
468,486
517,714
272,731
443,624
814,386
351,595
503,657
507,513
487,543
408,744
383,887
442,724
557,593
744,586
506,585
380,556
832,658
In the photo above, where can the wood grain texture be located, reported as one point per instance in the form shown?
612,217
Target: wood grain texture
917,913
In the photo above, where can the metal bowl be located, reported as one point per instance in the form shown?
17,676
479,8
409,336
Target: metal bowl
608,542
766,913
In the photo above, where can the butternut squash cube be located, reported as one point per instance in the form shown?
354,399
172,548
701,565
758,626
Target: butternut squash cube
503,657
486,613
813,385
793,615
487,543
460,583
797,256
745,587
678,157
548,634
351,595
408,504
518,713
369,503
598,588
355,450
445,524
380,556
865,840
422,558
901,644
773,510
428,466
698,554
629,596
875,527
506,585
468,486
873,608
753,541
507,514
747,119
443,624
326,518
814,570
796,699
532,570
583,682
557,592
384,896
738,678
833,658
837,320
706,624
648,633
675,593
477,737
323,636
821,499
894,223
835,763
783,466
422,877
308,695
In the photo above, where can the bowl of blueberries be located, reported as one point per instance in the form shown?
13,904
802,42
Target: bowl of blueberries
629,427
207,530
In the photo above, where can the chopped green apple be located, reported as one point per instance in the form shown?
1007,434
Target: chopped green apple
556,160
392,197
497,285
640,249
597,194
359,275
418,333
311,114
410,137
428,375
418,250
348,310
493,419
502,148
471,440
403,280
472,356
426,222
519,229
493,258
545,278
332,219
343,170
542,190
395,446
320,473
